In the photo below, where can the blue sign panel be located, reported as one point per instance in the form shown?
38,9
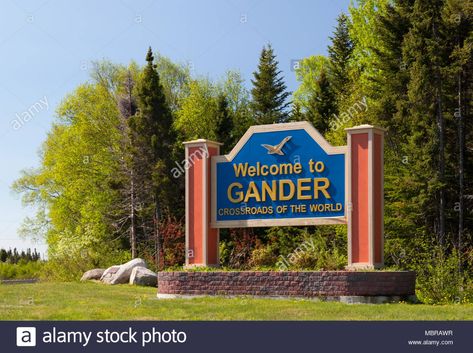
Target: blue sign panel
282,174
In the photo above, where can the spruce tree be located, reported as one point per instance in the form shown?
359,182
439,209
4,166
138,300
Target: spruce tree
269,91
322,105
153,122
224,124
424,89
340,53
296,112
392,27
458,17
3,255
405,212
426,51
151,145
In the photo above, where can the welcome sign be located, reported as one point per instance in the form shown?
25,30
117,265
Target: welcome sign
282,174
287,175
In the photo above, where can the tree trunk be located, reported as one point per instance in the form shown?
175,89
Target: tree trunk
132,216
441,148
157,243
441,170
461,169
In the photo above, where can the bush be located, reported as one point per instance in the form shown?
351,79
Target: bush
173,245
21,270
236,250
174,242
316,252
69,262
71,266
263,256
439,280
284,240
225,249
285,248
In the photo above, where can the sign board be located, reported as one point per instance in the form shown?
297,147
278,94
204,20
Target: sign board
282,174
287,175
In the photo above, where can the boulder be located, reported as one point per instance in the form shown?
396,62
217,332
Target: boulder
109,273
141,276
122,275
96,273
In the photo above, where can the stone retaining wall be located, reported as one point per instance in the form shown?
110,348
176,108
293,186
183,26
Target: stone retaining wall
291,284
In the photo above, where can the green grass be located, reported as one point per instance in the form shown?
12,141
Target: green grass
95,301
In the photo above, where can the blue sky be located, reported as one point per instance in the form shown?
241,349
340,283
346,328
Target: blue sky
46,48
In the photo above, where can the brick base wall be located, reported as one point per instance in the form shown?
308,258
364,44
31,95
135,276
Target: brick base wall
297,284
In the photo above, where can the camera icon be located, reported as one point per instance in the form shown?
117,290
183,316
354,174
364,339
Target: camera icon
26,336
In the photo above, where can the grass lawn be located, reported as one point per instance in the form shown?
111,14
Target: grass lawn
95,301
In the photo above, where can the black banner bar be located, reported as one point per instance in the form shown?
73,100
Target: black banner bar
235,336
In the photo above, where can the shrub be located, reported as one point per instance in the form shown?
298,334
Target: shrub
225,249
285,248
263,256
21,270
235,252
284,240
316,252
439,280
304,260
68,263
68,268
173,244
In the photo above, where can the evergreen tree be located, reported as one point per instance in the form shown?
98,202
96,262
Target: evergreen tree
392,26
3,255
269,91
224,124
296,112
403,215
458,18
151,145
36,255
422,99
340,52
322,104
426,51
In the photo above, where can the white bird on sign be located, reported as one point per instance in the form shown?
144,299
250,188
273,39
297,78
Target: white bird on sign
277,149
